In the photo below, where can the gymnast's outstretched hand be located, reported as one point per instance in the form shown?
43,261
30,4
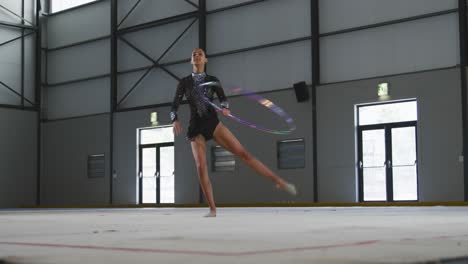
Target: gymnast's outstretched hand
226,111
176,127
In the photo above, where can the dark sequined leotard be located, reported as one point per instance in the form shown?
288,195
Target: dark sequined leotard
203,117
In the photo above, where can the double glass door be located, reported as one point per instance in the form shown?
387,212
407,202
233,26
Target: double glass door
156,173
387,162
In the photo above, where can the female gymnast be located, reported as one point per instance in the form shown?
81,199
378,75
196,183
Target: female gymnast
204,125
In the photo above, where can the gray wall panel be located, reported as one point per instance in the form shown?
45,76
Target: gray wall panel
183,48
439,133
29,67
10,54
77,99
155,41
157,87
266,69
10,73
7,33
79,62
66,146
83,23
414,46
342,14
181,69
152,10
18,155
15,6
129,58
243,27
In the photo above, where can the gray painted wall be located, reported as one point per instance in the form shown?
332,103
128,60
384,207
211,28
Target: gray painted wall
65,147
407,47
241,186
439,133
18,155
18,136
87,22
343,14
79,62
267,69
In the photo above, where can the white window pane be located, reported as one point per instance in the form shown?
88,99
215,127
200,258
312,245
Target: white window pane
167,174
59,5
375,186
403,146
156,135
405,185
373,148
388,113
148,171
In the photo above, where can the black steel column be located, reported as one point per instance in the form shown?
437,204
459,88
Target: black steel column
22,54
315,45
201,44
202,24
38,101
462,19
113,94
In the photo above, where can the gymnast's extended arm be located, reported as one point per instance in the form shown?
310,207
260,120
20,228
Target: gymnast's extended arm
222,98
175,106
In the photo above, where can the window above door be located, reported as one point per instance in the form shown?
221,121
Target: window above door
387,113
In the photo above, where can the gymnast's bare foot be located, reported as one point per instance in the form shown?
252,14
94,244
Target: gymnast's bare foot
211,214
287,187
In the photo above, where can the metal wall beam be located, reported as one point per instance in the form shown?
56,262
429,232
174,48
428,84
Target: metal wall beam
22,54
202,45
129,12
113,94
15,92
78,80
156,63
12,40
38,100
19,107
234,6
263,46
462,21
9,24
315,51
79,43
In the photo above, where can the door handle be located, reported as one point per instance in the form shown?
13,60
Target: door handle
156,174
140,174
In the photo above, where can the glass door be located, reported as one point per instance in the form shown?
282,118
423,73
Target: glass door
404,167
156,173
372,165
148,174
387,162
